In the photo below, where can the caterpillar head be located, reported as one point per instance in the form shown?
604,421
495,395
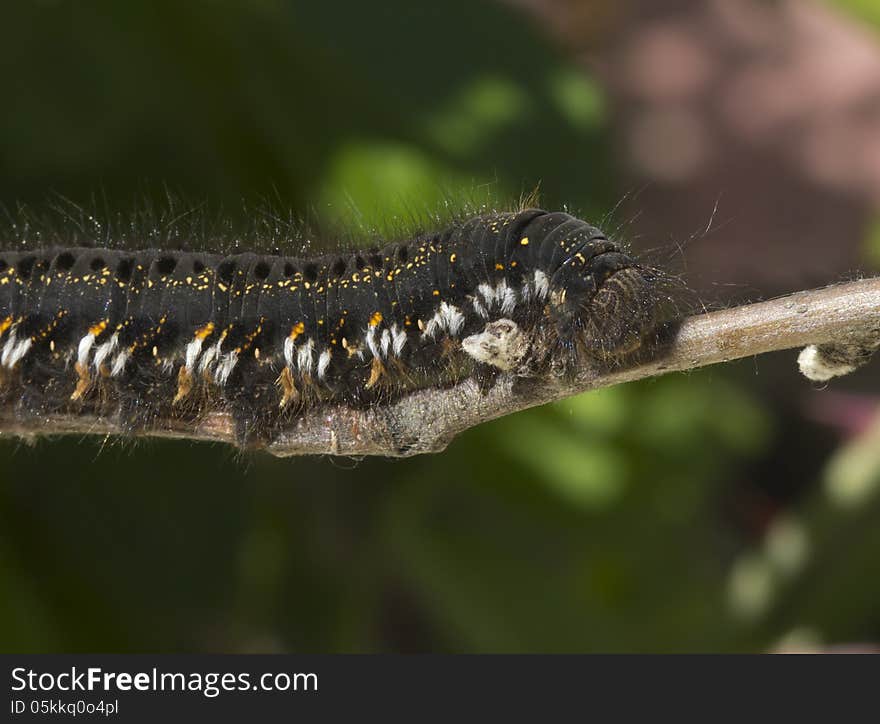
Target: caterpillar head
606,306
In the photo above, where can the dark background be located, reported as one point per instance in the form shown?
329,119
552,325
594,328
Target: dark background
732,509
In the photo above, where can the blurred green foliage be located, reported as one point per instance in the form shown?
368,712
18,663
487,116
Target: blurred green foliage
866,10
595,524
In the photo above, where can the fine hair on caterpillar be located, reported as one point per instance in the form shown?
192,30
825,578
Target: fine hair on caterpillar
142,335
669,259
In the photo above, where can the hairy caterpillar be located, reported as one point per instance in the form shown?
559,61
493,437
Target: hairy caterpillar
141,335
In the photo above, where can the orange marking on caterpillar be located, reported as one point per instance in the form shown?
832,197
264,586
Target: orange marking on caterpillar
96,329
184,385
204,332
289,393
82,383
377,372
297,330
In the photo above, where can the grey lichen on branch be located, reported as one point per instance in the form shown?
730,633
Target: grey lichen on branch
841,323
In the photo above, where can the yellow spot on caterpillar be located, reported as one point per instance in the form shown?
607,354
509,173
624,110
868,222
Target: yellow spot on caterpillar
307,285
5,324
205,332
512,264
421,325
96,329
222,287
436,292
524,241
453,257
376,319
155,352
344,343
499,267
256,353
297,330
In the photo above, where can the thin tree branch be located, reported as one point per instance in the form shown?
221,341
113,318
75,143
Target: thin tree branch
427,420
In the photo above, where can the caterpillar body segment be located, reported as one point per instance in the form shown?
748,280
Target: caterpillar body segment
152,333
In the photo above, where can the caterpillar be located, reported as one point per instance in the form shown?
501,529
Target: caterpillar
139,335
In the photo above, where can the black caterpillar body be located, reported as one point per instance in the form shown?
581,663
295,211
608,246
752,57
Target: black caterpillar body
148,334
